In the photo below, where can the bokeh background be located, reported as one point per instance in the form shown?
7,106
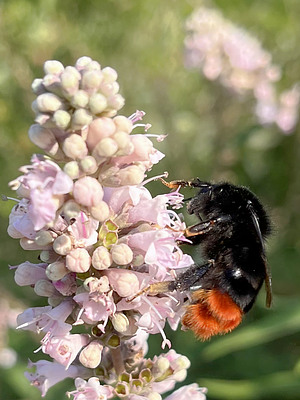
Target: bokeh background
212,133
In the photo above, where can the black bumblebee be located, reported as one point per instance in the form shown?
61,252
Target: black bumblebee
232,230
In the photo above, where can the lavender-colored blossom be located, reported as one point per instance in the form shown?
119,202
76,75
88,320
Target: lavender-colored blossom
28,273
91,390
64,349
102,239
49,373
46,184
95,307
20,224
67,285
227,53
190,391
47,319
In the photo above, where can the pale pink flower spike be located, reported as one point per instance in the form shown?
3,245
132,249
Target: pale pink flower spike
102,238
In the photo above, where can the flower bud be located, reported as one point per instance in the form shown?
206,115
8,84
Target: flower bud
62,244
74,147
56,270
93,66
44,288
143,147
43,238
116,101
121,254
80,99
107,147
109,74
132,175
43,138
108,89
71,209
154,396
91,80
132,327
182,362
72,169
82,63
88,165
51,83
78,260
122,139
81,118
100,285
124,282
162,364
54,301
74,71
29,244
138,260
40,118
38,87
53,67
62,119
180,375
69,82
115,87
101,211
48,102
88,191
48,256
123,123
90,356
120,322
97,103
99,129
34,107
101,258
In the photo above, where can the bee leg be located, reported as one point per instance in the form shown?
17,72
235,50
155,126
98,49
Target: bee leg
205,226
190,279
200,228
155,288
192,183
187,280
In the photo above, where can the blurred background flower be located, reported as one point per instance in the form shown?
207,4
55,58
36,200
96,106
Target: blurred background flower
212,132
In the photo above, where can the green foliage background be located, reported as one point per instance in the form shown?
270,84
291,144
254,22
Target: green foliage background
211,134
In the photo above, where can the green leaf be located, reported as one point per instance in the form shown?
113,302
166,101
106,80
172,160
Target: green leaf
275,386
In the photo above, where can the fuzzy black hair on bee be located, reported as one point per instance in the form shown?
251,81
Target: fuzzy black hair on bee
231,232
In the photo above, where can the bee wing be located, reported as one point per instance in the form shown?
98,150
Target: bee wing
268,279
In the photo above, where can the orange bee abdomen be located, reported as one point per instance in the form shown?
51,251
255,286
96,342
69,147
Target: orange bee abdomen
211,313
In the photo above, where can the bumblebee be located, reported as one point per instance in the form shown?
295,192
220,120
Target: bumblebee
232,229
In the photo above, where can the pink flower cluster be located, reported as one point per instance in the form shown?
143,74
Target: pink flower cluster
101,238
229,54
